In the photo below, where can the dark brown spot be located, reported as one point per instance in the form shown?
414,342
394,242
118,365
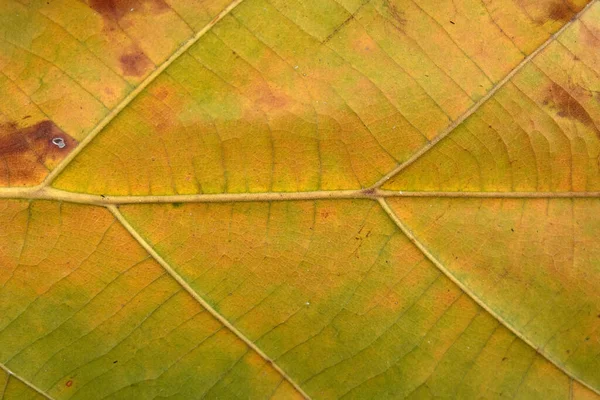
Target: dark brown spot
566,106
560,11
28,153
69,383
369,192
135,63
114,10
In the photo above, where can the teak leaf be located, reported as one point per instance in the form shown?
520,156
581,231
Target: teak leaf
275,199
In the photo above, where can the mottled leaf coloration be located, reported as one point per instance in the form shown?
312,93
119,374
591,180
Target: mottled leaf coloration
288,199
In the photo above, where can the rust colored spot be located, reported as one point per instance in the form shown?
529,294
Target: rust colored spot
135,63
560,11
269,100
69,384
567,106
28,153
115,10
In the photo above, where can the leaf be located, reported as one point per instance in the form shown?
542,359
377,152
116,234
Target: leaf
299,199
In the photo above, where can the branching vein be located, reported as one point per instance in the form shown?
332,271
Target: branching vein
11,374
479,103
199,299
407,232
127,100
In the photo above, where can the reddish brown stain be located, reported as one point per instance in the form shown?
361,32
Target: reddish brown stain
26,153
560,11
269,100
135,63
114,10
567,106
69,384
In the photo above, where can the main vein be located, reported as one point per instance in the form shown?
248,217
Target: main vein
408,233
131,96
49,193
199,299
480,102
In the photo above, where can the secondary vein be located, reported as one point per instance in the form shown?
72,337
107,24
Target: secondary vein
11,374
131,96
115,211
480,102
408,233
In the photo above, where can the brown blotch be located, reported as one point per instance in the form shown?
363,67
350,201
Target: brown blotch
135,63
560,11
115,10
69,384
28,153
566,106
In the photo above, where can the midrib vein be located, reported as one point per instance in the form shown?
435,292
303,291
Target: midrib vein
11,374
157,257
50,193
131,96
408,233
480,102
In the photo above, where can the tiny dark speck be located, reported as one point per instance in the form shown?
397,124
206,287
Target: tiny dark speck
177,205
452,22
116,361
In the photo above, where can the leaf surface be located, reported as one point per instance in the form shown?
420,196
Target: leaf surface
299,199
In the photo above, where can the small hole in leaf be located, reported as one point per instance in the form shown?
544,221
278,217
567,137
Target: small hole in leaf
59,142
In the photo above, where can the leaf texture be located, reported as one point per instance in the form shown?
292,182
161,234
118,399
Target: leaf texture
268,199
